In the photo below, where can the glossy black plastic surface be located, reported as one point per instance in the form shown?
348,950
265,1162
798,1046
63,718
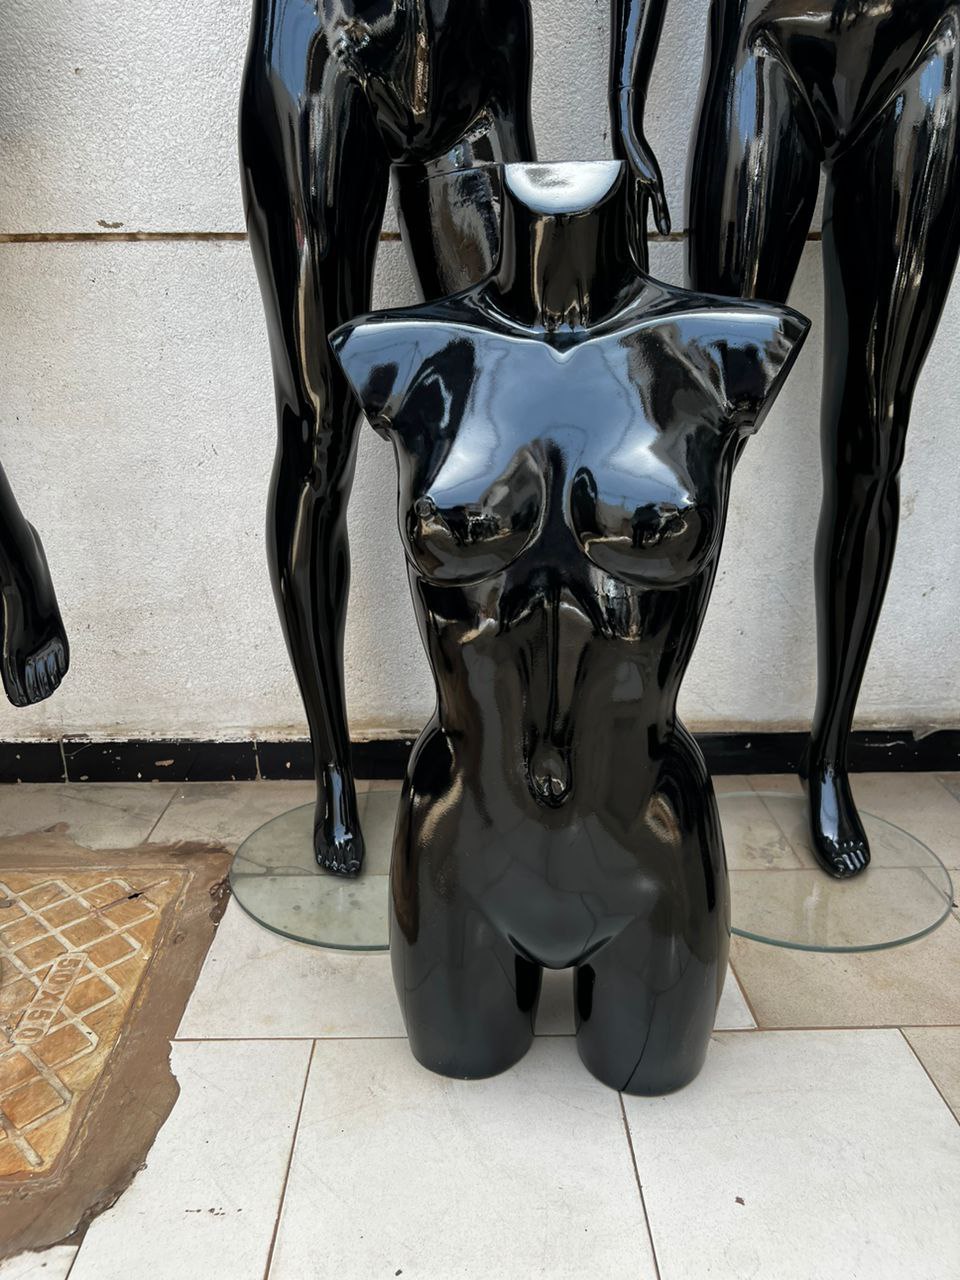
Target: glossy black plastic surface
565,435
36,653
869,92
334,91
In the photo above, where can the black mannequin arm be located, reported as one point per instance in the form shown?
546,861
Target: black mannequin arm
635,37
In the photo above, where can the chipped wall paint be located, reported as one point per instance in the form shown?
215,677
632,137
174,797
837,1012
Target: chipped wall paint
136,408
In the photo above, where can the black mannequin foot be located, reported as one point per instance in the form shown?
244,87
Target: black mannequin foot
837,836
337,839
36,654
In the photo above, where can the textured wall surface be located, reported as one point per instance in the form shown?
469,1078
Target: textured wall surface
136,406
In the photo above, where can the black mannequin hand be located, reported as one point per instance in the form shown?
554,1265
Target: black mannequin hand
630,144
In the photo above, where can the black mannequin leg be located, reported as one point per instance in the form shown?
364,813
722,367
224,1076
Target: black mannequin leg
646,1006
746,237
747,234
891,239
315,179
36,654
647,1001
469,1000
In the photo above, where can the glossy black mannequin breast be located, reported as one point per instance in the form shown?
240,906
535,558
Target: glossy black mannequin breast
565,436
871,93
332,94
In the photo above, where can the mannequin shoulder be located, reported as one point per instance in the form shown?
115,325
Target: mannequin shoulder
715,330
385,354
711,315
739,353
750,321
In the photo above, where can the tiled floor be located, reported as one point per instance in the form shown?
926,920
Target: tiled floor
307,1143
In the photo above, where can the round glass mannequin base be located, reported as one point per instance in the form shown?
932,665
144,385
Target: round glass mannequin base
782,896
779,893
276,880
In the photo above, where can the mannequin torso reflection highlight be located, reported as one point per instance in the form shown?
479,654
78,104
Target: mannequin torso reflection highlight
334,90
565,436
870,91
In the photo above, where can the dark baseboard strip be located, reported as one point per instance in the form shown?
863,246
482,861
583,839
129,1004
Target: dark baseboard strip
31,762
871,751
169,761
186,760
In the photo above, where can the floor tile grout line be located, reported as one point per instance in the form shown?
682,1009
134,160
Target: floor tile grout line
636,1174
307,1038
539,1035
801,865
113,235
304,1039
162,814
286,1175
940,783
570,1035
872,1026
746,998
913,1050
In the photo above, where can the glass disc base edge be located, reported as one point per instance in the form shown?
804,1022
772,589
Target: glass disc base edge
276,880
781,896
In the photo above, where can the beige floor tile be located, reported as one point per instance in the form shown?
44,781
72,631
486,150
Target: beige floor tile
907,986
378,818
952,782
51,1264
807,907
797,1155
228,812
206,1201
751,835
555,1016
918,803
783,803
114,815
330,994
788,782
256,984
397,1171
734,1012
938,1048
726,783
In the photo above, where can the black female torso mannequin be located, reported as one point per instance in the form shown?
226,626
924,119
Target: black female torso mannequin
335,90
872,93
36,654
565,436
